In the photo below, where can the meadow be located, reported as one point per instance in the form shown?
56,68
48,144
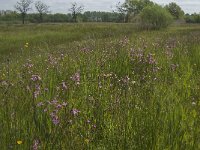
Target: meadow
99,86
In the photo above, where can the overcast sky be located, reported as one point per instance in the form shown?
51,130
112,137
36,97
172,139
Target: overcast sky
62,6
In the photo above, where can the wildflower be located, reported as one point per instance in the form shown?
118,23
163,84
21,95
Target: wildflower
54,102
40,104
75,112
37,91
4,83
28,65
55,120
87,141
94,126
35,78
52,60
133,82
70,121
59,106
151,59
26,45
64,86
76,77
193,103
19,142
64,104
124,41
35,144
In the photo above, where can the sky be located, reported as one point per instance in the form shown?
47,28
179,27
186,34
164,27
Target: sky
62,6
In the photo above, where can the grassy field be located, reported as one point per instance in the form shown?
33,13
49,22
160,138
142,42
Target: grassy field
99,86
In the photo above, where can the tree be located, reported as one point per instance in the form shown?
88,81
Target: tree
42,9
175,10
155,17
132,7
75,10
23,6
193,18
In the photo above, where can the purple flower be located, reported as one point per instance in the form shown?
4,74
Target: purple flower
54,102
37,91
55,120
35,78
151,59
75,112
59,106
137,55
36,144
53,114
28,65
40,104
64,86
77,78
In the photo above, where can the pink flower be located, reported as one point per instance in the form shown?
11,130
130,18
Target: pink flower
75,112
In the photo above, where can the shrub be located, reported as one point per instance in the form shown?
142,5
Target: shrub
193,18
154,17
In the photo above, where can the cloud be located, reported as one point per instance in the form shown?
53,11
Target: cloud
62,6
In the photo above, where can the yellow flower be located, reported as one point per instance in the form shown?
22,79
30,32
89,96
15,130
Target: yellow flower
26,45
87,141
19,142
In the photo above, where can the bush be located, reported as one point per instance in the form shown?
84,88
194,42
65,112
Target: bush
154,17
193,18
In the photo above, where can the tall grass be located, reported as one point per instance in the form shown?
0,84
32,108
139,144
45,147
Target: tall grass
99,87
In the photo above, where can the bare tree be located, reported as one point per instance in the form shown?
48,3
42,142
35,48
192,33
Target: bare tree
23,6
75,10
42,9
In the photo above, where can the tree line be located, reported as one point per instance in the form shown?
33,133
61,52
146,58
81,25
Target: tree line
145,12
88,16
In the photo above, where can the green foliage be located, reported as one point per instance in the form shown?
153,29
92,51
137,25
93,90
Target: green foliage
193,18
130,8
175,10
88,16
154,17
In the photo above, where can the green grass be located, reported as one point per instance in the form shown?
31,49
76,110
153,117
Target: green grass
124,89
